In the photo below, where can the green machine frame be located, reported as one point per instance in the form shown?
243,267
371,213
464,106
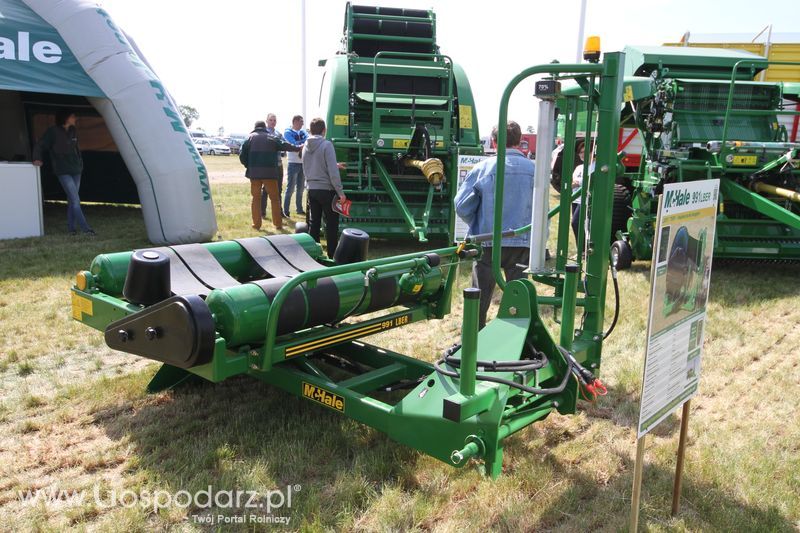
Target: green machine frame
465,405
399,113
701,116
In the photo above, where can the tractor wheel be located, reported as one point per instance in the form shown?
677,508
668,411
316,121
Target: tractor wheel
621,210
621,255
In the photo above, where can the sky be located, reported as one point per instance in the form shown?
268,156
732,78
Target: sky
236,61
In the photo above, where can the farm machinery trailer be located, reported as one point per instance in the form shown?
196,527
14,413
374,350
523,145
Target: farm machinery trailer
701,116
399,112
274,308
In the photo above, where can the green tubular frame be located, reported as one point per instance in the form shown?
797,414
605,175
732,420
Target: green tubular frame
588,345
403,262
733,80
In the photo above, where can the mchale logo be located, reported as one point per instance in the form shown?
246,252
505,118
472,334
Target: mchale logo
676,198
326,398
21,50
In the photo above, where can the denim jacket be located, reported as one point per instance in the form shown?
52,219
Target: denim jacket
474,200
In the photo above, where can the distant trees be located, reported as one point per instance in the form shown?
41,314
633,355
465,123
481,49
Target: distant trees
189,114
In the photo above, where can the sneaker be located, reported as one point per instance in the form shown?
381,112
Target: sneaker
255,227
90,233
285,214
301,212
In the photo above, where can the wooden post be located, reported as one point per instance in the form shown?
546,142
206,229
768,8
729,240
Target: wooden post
676,490
637,484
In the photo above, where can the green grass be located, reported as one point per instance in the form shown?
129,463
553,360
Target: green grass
75,415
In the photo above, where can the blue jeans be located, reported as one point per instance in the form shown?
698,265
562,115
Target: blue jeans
71,185
296,183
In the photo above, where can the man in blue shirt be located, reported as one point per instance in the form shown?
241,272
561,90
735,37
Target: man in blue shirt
295,135
474,203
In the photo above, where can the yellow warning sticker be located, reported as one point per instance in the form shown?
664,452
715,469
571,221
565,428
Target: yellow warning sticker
628,96
465,117
341,120
81,306
745,160
400,143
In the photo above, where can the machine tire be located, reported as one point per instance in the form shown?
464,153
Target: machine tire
621,255
621,211
301,227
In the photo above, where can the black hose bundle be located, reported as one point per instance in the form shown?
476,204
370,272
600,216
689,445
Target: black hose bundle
521,365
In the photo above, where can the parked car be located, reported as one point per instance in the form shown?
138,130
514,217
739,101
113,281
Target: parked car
234,144
217,147
202,145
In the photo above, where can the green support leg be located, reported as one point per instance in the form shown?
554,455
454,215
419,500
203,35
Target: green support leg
493,461
169,377
394,194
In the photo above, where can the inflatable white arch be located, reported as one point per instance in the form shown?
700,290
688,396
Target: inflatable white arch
144,121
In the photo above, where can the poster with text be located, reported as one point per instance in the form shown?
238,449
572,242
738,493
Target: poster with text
679,282
465,164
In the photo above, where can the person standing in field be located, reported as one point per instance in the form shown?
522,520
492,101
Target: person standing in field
260,154
474,204
577,182
272,121
323,183
295,135
61,143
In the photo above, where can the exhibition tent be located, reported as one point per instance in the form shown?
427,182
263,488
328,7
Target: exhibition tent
136,148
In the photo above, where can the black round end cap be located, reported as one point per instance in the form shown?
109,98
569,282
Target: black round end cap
148,280
472,293
353,247
434,260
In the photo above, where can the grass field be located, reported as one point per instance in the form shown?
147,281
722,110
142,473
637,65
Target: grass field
75,416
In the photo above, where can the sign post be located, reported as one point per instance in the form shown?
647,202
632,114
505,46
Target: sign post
679,282
676,489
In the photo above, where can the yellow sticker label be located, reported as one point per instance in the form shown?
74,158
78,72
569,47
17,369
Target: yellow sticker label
363,331
417,288
403,143
465,117
745,160
325,397
628,96
341,120
81,306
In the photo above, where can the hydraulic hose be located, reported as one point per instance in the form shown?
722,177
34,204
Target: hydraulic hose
367,280
532,390
616,302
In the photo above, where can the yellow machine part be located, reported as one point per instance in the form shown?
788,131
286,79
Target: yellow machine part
777,191
432,169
